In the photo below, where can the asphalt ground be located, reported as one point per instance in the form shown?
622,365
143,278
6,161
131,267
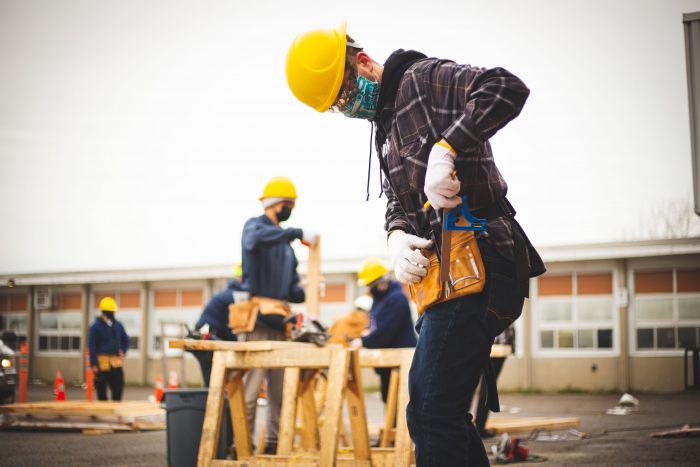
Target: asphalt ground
608,440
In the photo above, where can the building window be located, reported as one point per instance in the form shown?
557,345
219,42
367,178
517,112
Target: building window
575,312
334,293
666,309
59,330
14,316
129,312
176,307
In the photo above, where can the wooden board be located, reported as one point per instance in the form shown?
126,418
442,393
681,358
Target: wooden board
313,279
254,346
391,358
83,415
524,424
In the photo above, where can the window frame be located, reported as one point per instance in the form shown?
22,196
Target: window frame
674,295
154,323
575,325
80,332
12,313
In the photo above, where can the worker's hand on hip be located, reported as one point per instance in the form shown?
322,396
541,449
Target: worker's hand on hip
95,369
309,237
406,258
441,184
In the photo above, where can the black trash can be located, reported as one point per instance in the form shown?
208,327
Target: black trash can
184,410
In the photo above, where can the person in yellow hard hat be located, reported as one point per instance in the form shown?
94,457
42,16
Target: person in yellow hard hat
434,118
390,322
108,344
270,276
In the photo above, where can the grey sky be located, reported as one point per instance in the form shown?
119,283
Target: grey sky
140,133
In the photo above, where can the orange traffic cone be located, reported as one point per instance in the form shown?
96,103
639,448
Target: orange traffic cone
158,391
59,387
172,380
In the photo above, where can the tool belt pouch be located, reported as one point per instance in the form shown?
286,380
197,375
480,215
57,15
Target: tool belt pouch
103,362
467,274
272,306
242,316
115,361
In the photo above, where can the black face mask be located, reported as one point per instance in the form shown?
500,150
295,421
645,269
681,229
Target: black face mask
284,214
109,315
376,291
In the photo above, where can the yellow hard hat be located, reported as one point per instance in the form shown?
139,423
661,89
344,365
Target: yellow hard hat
108,304
279,187
315,66
371,270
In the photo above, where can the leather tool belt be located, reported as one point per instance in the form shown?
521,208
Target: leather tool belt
105,362
467,274
242,316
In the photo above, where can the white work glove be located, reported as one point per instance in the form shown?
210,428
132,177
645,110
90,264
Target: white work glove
406,259
309,237
441,185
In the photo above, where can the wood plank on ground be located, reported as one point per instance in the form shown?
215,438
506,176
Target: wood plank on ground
83,415
524,424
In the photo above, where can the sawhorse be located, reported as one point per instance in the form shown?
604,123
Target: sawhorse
232,359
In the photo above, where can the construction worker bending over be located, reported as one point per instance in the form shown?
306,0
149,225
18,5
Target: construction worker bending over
270,275
215,316
390,322
434,119
352,325
108,344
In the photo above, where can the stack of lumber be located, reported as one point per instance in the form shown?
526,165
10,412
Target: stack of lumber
83,415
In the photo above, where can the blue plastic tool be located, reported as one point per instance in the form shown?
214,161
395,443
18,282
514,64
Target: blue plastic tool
452,217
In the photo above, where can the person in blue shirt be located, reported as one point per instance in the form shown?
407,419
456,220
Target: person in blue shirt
215,317
270,271
108,344
390,321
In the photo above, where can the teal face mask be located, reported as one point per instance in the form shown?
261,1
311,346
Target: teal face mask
365,103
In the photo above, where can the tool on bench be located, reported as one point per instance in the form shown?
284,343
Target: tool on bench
306,330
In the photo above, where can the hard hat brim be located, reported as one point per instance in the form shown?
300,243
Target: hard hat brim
338,81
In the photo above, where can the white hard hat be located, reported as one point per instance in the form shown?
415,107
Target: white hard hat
363,302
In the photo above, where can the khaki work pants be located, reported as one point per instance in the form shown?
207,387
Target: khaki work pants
254,377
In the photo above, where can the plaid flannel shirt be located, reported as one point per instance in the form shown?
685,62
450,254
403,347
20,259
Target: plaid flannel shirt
465,105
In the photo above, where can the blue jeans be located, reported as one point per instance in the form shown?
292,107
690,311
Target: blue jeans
454,344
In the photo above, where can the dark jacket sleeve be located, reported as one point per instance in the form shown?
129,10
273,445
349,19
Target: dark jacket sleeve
123,339
387,323
92,344
257,233
296,293
490,98
395,218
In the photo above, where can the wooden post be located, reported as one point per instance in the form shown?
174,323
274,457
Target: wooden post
212,415
309,416
288,412
337,380
239,415
313,279
356,409
402,442
391,401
